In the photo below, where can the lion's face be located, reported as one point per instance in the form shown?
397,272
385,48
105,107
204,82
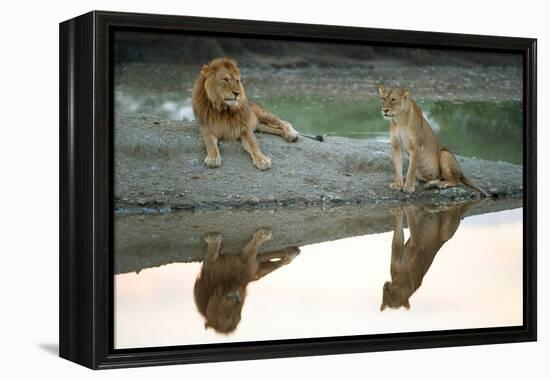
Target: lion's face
223,312
394,297
394,100
223,83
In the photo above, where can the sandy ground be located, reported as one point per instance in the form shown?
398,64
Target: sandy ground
159,165
428,83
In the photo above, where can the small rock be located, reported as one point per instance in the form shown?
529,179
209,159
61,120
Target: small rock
142,201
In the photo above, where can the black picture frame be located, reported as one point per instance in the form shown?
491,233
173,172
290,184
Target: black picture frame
86,191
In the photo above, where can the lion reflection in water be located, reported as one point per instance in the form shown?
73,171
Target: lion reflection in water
220,288
429,230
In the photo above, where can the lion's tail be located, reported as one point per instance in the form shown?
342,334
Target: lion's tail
465,180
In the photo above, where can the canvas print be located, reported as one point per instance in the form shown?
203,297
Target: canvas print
272,189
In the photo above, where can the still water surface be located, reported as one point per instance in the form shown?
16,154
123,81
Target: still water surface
434,271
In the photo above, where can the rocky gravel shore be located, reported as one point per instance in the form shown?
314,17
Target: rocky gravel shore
159,166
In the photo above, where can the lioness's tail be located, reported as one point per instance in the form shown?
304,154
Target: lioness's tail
465,180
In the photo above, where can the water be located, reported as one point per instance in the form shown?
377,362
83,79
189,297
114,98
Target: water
487,130
331,287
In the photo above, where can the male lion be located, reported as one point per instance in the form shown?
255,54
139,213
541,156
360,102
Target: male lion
220,288
410,261
224,113
429,161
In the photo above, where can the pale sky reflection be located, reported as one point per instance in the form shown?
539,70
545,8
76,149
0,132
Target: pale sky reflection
335,288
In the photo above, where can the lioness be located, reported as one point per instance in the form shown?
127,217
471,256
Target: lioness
410,261
429,161
220,288
224,113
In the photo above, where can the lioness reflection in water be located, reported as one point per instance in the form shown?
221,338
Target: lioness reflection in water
429,230
220,288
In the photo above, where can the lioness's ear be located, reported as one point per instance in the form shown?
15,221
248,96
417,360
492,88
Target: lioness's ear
381,90
205,69
406,93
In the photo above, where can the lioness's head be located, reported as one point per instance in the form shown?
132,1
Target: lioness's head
394,296
394,100
222,83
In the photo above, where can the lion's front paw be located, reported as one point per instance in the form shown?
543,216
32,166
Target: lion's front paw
213,238
409,188
292,135
262,162
396,185
263,234
213,162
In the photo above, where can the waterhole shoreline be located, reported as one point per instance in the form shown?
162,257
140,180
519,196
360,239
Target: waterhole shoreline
159,166
150,240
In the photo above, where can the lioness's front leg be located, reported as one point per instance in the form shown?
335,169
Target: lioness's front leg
214,241
411,172
250,144
397,158
213,158
398,239
410,215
